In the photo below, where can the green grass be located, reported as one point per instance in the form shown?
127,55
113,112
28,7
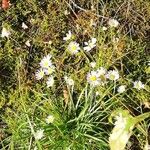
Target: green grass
83,120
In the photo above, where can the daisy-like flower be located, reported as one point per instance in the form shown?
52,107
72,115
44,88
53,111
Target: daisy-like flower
69,81
68,36
50,81
5,33
112,75
27,43
49,70
113,23
121,89
39,134
93,64
90,44
73,47
49,119
138,85
24,26
93,78
39,74
46,62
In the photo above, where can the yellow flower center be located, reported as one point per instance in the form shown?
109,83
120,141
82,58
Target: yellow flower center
112,77
74,47
41,73
93,78
46,64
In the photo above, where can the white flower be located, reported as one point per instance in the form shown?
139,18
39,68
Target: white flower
97,93
113,23
39,134
50,81
49,70
112,75
24,26
50,119
69,81
5,33
121,89
27,43
93,64
104,28
73,47
90,44
46,62
68,36
138,85
93,78
66,12
39,74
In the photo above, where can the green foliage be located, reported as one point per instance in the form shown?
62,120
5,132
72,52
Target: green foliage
81,112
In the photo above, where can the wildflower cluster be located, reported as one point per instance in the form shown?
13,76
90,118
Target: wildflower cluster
47,68
74,47
100,76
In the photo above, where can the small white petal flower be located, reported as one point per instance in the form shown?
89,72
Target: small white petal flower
39,134
50,119
112,75
49,70
90,44
39,74
46,62
5,33
93,78
24,26
97,93
121,89
138,85
93,64
73,47
50,81
66,12
113,23
104,28
27,43
68,36
69,81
